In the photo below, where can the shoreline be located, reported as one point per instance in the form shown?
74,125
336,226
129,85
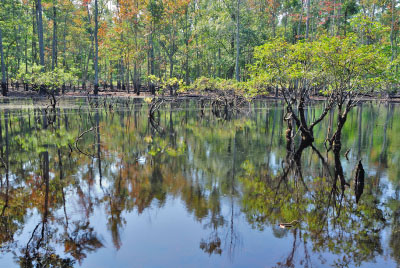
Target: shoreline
179,96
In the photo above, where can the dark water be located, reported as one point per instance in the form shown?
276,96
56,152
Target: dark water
111,188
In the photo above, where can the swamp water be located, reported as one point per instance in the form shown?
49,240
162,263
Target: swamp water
109,187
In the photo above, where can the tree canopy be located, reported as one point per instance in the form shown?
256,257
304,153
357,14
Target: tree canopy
129,41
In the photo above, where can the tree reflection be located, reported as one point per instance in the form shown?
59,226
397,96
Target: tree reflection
81,241
218,168
331,220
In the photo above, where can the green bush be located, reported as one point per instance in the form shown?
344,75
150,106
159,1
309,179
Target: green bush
204,84
171,84
51,80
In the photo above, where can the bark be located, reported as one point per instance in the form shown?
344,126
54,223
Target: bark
54,44
96,55
40,31
151,52
237,71
34,25
3,68
17,44
127,78
111,82
122,73
26,53
151,60
42,89
65,42
392,30
299,25
308,18
171,66
90,52
187,49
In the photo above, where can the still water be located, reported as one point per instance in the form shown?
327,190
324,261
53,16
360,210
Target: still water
103,185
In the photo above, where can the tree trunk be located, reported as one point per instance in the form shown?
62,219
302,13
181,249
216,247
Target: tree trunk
42,89
54,45
171,66
122,73
151,52
96,55
3,68
308,18
299,25
26,60
65,42
34,25
237,71
392,31
111,80
40,32
187,49
127,77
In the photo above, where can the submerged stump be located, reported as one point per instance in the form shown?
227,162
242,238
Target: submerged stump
359,181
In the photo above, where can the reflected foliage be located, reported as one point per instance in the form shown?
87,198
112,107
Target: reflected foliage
56,174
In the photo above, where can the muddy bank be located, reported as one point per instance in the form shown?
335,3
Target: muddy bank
189,95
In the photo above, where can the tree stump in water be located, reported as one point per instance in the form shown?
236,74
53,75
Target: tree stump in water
359,181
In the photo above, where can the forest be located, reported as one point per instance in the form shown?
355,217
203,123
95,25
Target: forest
183,45
199,133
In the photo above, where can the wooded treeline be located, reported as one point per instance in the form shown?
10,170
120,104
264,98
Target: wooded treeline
118,44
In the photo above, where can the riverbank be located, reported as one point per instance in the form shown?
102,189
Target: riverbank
189,94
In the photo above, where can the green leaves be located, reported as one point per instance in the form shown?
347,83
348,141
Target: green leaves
53,80
332,63
349,66
164,84
367,28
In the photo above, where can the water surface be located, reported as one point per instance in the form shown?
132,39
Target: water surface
103,185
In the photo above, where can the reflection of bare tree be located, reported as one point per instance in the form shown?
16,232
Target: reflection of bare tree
97,118
6,222
394,241
218,223
289,262
38,251
212,245
6,163
383,155
155,125
300,191
326,214
293,157
233,239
